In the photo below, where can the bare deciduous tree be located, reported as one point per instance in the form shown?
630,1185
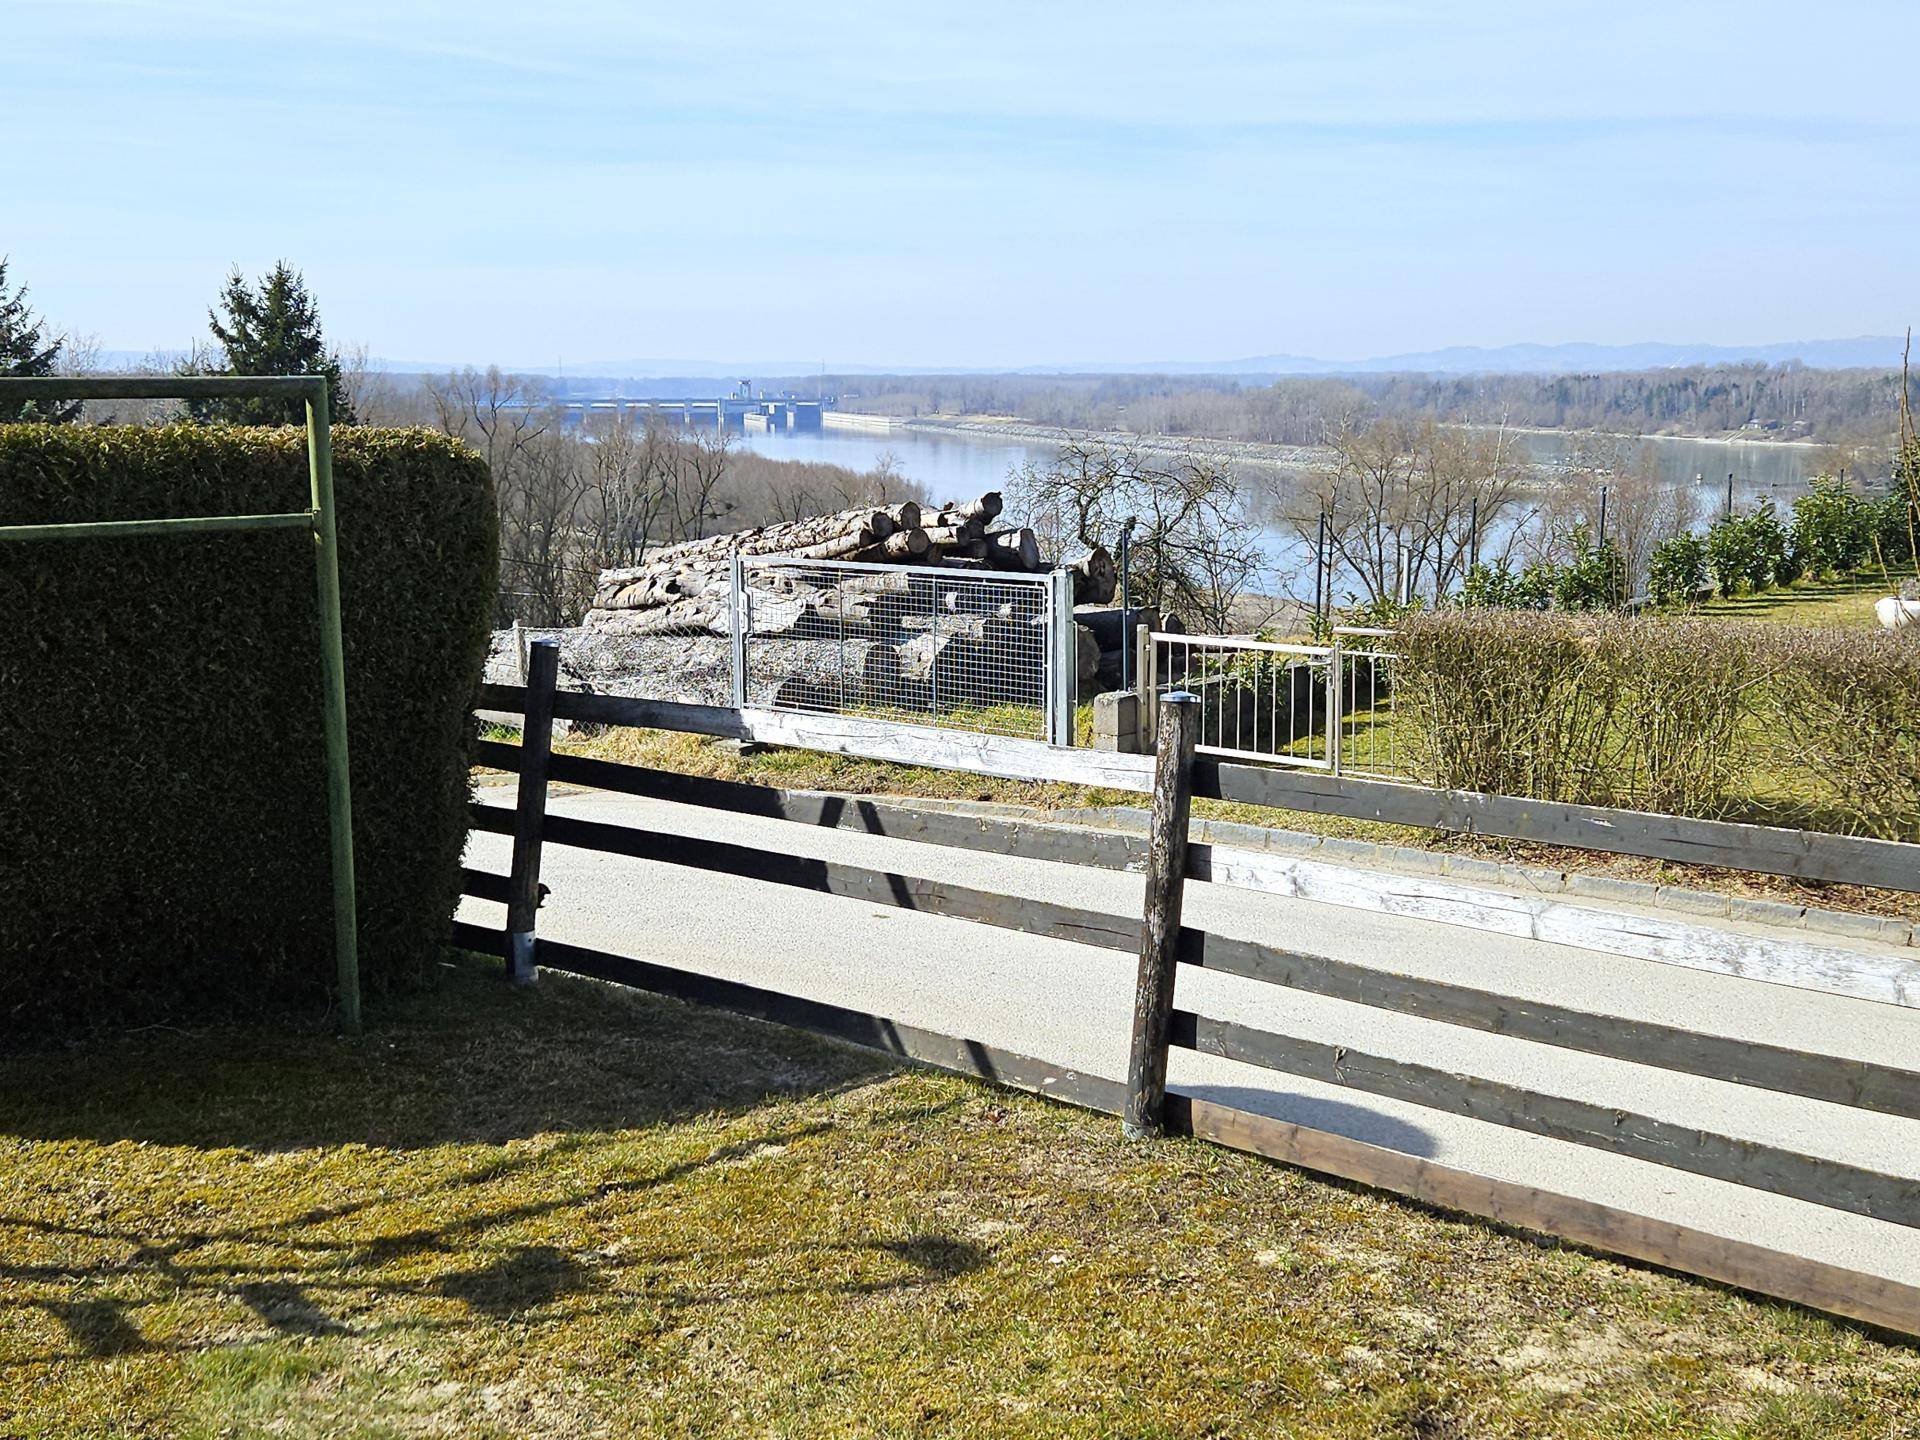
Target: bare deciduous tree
1407,504
1195,551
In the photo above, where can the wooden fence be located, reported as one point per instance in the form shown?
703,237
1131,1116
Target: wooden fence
1161,944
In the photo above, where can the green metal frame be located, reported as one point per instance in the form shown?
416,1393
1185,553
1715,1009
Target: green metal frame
319,519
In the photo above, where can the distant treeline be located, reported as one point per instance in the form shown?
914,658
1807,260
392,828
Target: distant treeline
1840,407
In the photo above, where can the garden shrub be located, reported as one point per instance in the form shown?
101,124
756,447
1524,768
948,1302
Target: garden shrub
1846,713
1469,682
1594,579
1692,716
1833,529
163,827
1730,554
1677,569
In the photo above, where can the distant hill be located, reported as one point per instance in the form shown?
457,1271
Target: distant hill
1865,351
1873,351
1870,351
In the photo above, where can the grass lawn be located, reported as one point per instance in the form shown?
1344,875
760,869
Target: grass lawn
582,1212
1846,604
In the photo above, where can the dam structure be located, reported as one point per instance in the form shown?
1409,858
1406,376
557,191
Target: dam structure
738,413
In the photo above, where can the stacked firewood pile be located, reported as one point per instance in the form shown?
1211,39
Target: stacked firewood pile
684,589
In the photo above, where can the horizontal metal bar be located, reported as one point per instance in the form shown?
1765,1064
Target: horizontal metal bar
186,524
877,568
1360,630
161,387
1264,756
1223,642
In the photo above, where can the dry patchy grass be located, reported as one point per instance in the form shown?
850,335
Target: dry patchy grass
580,1212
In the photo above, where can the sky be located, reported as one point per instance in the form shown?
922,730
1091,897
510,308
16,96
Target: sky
975,184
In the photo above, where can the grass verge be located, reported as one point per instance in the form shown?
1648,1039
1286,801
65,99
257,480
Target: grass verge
580,1211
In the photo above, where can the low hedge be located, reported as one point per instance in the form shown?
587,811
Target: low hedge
163,826
1697,716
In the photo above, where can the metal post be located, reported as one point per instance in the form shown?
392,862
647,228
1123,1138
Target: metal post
1320,569
1065,648
1473,535
1146,1100
530,810
738,619
1603,518
1126,601
1336,698
333,675
1149,686
1729,495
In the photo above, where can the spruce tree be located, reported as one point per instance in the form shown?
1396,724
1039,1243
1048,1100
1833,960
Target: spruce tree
270,330
26,350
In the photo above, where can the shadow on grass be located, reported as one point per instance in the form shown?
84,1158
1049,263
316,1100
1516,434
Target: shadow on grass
472,1061
600,1110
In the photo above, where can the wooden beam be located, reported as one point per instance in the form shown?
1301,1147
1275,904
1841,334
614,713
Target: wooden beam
1024,839
855,735
875,887
529,811
483,884
1887,978
1856,1295
481,939
1160,925
1802,854
1839,1080
1811,1178
838,1022
494,819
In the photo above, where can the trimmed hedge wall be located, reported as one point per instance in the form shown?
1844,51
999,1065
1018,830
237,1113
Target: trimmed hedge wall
163,819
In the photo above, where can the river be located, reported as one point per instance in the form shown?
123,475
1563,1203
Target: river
960,465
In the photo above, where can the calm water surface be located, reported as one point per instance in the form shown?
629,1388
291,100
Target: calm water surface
955,467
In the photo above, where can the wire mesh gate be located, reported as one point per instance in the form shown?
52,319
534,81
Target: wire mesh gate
964,650
1312,707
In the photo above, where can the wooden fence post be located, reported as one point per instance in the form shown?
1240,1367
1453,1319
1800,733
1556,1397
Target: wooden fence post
530,810
1160,920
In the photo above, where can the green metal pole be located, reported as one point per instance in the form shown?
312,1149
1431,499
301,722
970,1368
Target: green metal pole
333,701
131,529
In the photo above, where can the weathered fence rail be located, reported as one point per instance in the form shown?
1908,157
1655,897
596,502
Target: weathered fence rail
1161,944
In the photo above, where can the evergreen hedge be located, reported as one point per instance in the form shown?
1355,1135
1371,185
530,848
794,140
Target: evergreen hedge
163,819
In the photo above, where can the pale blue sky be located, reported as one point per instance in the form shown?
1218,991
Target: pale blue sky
969,184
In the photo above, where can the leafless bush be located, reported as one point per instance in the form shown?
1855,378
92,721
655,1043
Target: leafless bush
1603,710
1507,702
1846,717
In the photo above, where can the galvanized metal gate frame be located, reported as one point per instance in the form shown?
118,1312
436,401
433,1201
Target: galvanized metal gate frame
1061,651
318,519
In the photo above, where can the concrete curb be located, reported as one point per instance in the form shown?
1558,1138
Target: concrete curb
1528,879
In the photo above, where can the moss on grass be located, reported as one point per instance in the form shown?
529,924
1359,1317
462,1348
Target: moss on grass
579,1211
